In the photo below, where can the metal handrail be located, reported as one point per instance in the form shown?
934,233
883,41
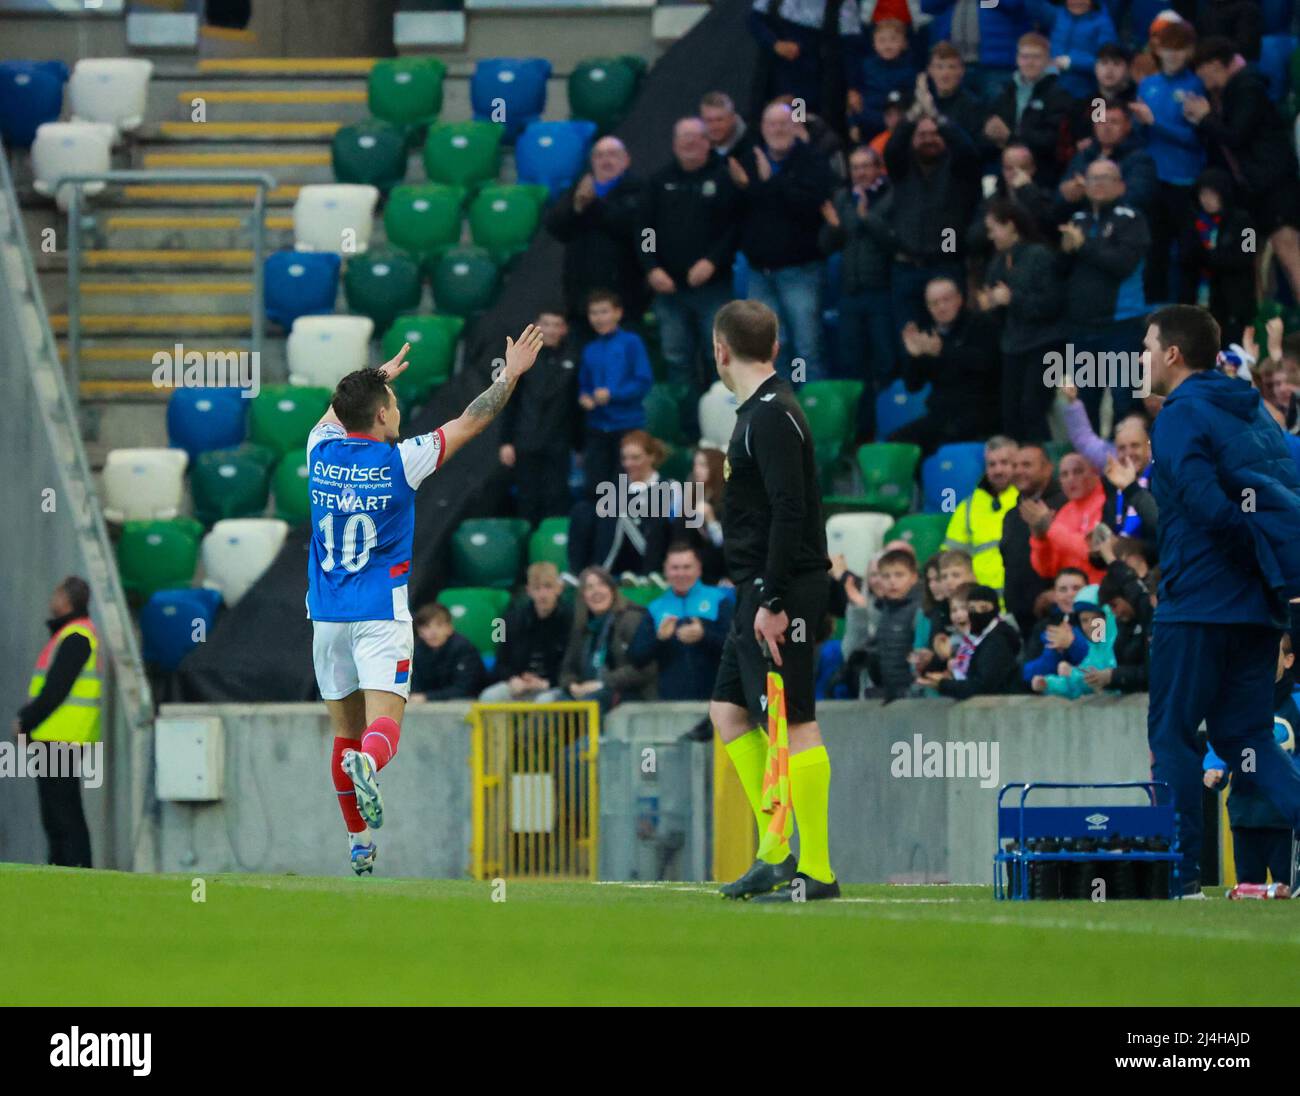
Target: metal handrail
260,179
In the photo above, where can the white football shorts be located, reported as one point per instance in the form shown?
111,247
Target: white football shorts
362,654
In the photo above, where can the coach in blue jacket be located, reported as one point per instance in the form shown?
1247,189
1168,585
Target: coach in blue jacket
1229,541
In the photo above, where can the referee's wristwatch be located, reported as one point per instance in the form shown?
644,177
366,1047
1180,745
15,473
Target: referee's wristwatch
774,605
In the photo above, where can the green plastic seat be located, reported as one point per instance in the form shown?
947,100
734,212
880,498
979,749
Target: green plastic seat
157,555
372,152
503,218
640,595
663,412
550,543
463,153
1056,450
282,415
924,532
432,354
474,612
465,280
407,91
290,491
678,464
602,89
849,391
424,220
888,471
382,285
489,552
231,483
830,418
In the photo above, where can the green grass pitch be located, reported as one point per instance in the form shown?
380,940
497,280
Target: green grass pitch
112,938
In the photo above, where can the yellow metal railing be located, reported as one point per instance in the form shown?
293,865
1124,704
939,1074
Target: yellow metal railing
536,800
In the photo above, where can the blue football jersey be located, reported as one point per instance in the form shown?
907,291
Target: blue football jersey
363,518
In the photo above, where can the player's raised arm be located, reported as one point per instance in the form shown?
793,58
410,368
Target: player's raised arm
390,369
520,355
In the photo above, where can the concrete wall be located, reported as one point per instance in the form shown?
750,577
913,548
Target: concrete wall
278,814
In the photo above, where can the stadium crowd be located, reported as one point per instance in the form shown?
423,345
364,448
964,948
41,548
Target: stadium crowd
957,206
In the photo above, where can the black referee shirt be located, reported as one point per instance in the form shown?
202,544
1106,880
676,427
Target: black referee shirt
772,523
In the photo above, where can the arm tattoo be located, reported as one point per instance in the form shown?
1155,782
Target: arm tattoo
488,403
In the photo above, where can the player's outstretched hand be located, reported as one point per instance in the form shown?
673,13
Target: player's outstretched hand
397,364
521,354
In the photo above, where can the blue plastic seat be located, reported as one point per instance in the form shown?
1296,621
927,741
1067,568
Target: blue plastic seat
170,622
954,468
200,419
510,90
896,407
554,153
31,94
299,283
1275,62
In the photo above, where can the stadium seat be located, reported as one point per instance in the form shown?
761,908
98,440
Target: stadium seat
289,488
199,419
489,552
717,415
474,611
231,483
112,90
464,154
322,350
550,543
237,552
1275,52
503,219
155,555
31,94
407,91
830,419
896,407
601,89
283,415
1056,450
663,412
509,90
299,283
170,624
432,354
857,537
924,532
70,148
678,464
424,220
888,471
382,285
950,474
464,280
143,484
371,152
641,595
553,154
334,217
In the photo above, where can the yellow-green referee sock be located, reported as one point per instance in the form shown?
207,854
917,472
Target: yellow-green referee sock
810,792
748,754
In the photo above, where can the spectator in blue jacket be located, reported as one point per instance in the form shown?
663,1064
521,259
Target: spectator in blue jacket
1175,146
684,630
985,36
887,67
1059,638
1114,138
1229,546
613,380
1076,32
1071,679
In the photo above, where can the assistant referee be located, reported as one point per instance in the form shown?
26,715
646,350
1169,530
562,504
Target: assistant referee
774,539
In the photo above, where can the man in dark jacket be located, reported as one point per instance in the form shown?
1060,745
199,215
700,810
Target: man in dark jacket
943,85
1018,183
445,664
956,354
783,184
1113,139
689,219
1030,108
1229,548
1031,472
1124,589
535,634
597,221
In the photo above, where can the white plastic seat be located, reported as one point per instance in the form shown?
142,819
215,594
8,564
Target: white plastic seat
237,552
70,148
11,261
718,415
144,484
29,323
857,537
334,217
324,349
113,90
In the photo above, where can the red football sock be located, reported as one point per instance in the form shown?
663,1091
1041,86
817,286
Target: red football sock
381,739
347,794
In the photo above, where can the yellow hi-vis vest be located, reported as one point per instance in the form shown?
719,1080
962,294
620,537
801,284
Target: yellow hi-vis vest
77,718
977,528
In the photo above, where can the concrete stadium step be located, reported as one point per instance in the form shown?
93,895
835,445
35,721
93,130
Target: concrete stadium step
299,164
161,323
315,67
280,132
130,362
209,194
110,293
190,231
167,258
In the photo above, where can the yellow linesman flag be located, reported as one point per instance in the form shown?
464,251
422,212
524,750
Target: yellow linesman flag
776,779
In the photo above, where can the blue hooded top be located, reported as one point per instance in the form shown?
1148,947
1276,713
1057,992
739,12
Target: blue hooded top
1229,499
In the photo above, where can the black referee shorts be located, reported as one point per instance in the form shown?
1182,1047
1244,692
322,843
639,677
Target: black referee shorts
742,675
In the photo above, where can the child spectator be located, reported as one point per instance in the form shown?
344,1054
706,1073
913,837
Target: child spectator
1113,73
1125,590
1261,837
1098,625
955,570
612,383
883,653
1057,637
1218,269
991,668
887,67
1077,31
446,665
